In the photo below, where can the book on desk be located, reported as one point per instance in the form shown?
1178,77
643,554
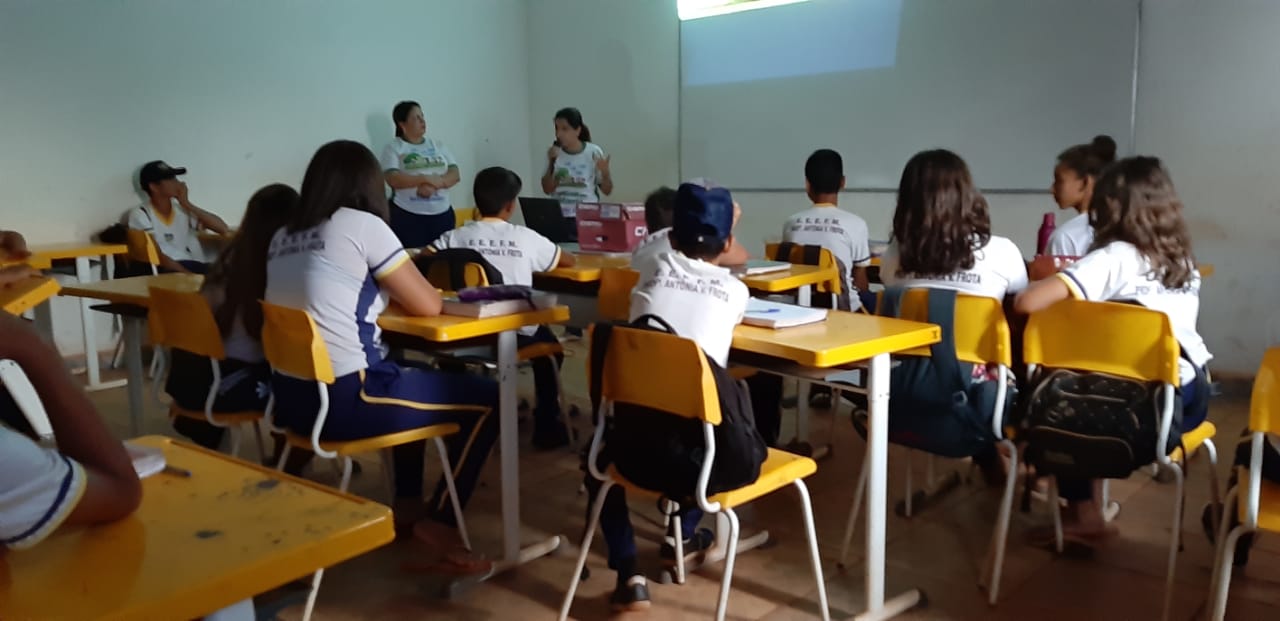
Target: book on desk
481,309
766,314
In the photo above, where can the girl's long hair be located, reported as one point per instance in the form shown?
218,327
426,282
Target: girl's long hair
1135,202
241,268
941,219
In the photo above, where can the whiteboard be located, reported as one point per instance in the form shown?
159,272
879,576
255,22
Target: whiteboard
1007,84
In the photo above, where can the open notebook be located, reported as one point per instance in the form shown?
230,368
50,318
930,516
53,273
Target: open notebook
759,266
776,315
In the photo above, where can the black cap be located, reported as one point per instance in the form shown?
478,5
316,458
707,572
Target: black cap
703,213
155,172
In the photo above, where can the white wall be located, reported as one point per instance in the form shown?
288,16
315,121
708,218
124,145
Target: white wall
240,92
618,62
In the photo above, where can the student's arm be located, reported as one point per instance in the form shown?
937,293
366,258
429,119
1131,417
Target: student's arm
203,218
566,260
449,179
113,490
15,273
735,254
549,182
13,245
1041,295
411,290
399,180
604,176
860,279
167,264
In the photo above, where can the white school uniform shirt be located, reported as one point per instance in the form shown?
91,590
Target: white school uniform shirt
429,158
516,251
998,270
175,237
650,248
1119,272
39,488
701,301
840,232
331,272
577,178
1073,238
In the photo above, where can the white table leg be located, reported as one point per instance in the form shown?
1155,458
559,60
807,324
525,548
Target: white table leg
877,497
133,362
803,298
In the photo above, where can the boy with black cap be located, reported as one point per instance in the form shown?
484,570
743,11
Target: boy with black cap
701,301
174,230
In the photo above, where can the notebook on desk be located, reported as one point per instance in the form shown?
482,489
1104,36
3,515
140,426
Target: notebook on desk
755,267
765,314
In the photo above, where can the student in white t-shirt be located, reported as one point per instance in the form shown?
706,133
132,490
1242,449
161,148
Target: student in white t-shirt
339,261
1142,254
517,252
88,479
701,301
577,169
174,229
839,232
941,236
658,208
1073,180
420,171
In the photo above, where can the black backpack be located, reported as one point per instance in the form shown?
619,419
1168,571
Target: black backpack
663,452
1093,425
455,261
936,407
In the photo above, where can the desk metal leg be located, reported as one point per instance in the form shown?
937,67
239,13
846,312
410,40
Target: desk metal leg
508,442
718,549
133,362
877,497
84,274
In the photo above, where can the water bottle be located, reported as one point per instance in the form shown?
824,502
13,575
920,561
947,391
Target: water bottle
1046,231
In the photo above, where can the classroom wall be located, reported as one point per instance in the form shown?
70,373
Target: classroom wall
242,93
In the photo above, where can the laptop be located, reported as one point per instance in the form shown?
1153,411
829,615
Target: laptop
543,215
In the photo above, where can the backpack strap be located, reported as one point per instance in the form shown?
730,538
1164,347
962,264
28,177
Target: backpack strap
783,253
651,321
890,302
811,255
600,335
942,312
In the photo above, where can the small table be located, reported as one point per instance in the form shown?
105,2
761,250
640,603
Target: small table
843,339
21,296
42,258
196,545
798,278
587,267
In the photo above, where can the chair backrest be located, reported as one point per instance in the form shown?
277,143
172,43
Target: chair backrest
183,320
981,330
1264,406
661,371
464,215
142,248
454,269
797,255
293,344
1105,337
613,303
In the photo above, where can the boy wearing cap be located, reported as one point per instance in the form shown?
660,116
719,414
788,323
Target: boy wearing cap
701,301
174,230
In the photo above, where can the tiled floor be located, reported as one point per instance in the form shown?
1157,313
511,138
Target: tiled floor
940,550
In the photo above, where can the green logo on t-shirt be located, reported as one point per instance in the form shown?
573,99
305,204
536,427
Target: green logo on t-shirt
416,161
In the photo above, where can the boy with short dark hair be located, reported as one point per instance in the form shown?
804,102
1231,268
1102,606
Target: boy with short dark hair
517,252
173,229
840,232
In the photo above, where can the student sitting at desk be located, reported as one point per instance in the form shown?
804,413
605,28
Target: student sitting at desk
840,232
701,301
516,252
338,260
88,479
173,229
658,209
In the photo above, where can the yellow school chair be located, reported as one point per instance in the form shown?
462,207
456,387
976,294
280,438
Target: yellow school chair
183,320
142,249
982,337
294,347
1257,502
465,215
825,259
1128,341
613,303
689,391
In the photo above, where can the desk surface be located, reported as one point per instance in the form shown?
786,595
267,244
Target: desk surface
20,296
135,290
790,279
588,267
842,339
195,545
43,255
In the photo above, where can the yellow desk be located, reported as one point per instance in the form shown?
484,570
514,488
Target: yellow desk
441,329
588,267
843,339
196,545
797,277
20,296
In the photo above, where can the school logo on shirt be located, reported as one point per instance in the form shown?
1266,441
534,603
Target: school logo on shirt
565,179
817,225
417,161
496,247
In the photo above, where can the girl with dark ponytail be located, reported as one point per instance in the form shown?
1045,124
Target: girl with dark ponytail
577,169
1074,177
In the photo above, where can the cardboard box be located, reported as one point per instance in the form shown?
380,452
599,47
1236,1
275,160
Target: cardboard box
610,227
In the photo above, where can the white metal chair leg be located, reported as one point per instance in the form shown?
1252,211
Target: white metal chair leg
584,549
284,456
1175,538
1216,497
453,492
1000,538
234,432
1109,509
311,597
858,491
907,503
388,472
346,474
722,605
1057,514
1224,559
806,507
678,535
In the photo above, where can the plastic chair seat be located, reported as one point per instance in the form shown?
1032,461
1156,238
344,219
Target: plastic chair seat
741,373
375,443
1268,503
779,470
538,350
226,418
1194,439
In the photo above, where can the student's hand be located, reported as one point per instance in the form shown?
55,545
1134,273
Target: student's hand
15,273
553,153
737,214
13,245
426,190
182,194
602,164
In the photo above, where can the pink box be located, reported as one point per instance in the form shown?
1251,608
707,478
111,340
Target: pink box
610,227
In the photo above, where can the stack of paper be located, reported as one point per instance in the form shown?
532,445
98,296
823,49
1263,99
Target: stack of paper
775,315
146,460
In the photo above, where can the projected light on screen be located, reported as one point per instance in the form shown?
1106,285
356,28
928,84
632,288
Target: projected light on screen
723,41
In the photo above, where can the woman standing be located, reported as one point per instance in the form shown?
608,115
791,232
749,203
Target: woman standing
420,170
577,169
